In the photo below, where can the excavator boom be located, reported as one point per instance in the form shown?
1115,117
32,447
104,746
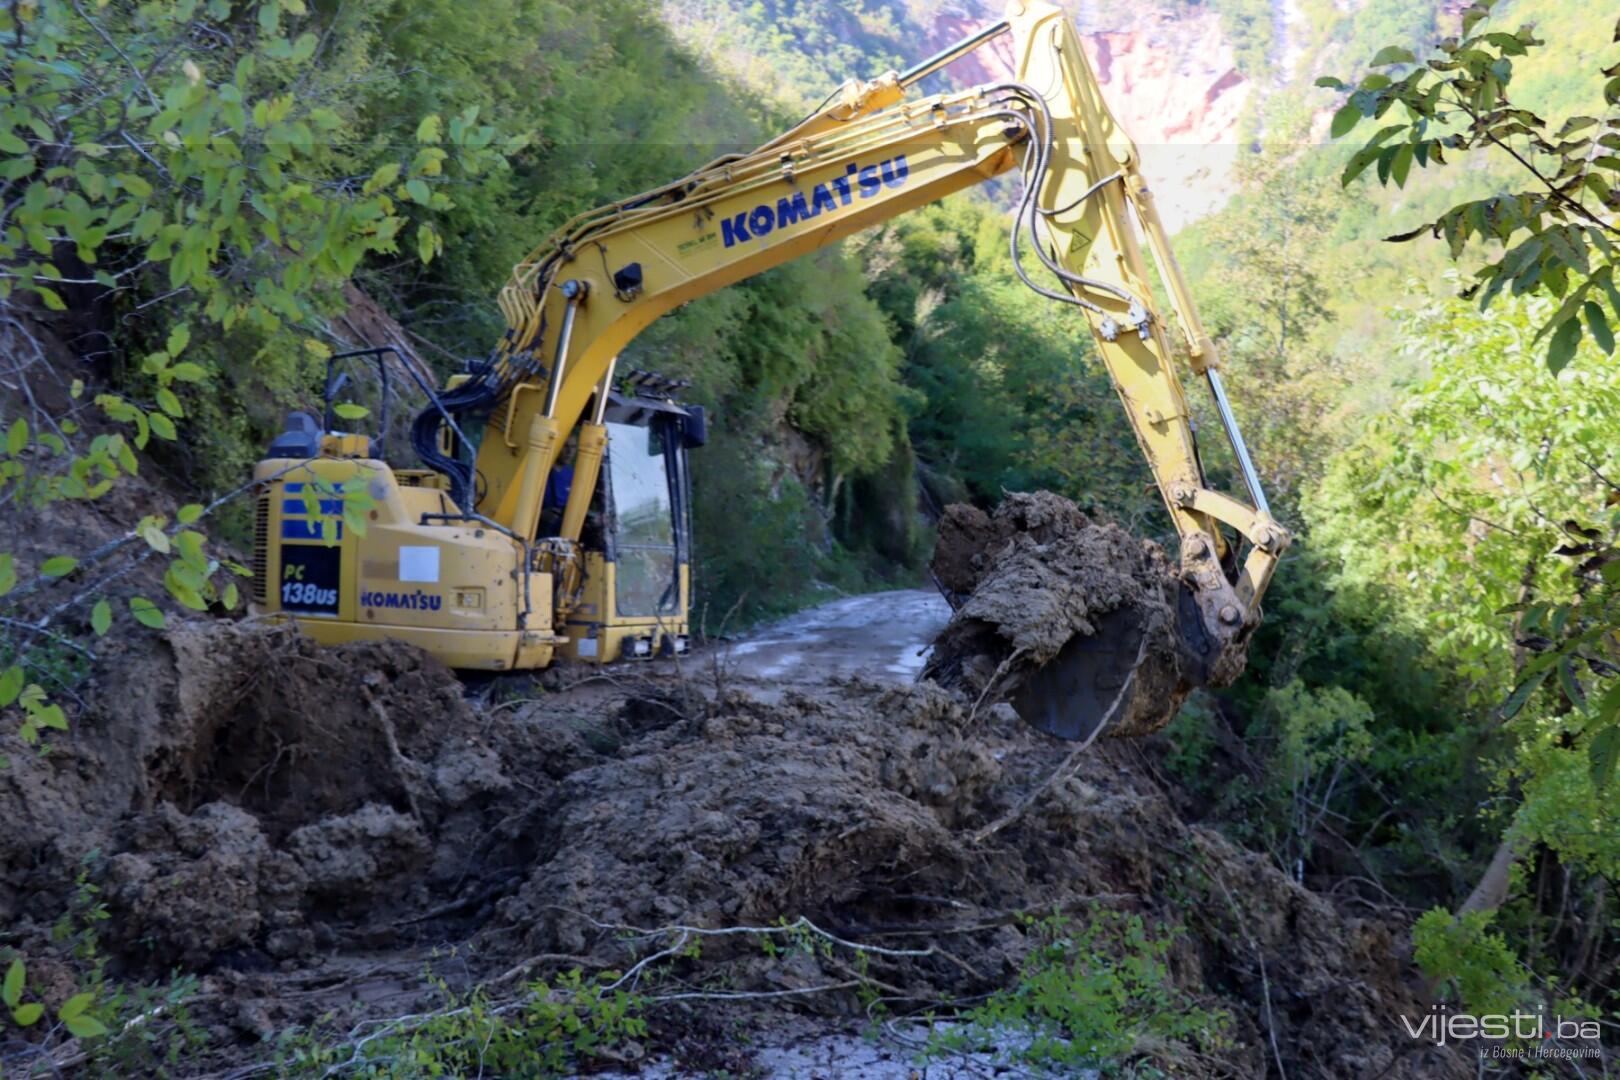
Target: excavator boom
868,156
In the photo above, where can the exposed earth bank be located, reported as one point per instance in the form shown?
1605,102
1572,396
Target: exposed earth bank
311,829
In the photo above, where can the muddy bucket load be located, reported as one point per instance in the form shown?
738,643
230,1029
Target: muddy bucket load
1081,627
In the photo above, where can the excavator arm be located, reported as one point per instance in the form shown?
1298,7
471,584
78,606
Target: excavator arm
869,156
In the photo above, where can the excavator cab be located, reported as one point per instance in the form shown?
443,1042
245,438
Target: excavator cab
637,536
353,546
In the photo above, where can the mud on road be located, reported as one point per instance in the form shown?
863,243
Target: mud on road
882,636
309,829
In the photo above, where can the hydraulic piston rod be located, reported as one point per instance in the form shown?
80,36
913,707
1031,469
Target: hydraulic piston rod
918,72
1251,478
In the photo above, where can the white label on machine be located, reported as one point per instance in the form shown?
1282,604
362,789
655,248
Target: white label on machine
419,564
587,646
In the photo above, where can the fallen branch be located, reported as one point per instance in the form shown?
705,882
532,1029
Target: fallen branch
1265,979
396,758
801,923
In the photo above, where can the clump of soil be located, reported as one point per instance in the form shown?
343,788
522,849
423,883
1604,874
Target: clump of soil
752,810
1066,618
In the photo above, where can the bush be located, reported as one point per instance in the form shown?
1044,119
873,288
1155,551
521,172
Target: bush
1474,965
1088,996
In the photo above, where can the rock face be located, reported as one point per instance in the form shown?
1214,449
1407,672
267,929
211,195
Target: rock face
1171,80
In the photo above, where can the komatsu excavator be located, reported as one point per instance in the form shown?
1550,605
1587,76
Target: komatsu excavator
553,518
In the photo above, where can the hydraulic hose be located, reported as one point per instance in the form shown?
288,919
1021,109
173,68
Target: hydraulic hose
1035,170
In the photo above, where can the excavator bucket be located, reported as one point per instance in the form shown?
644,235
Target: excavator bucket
1080,627
1128,678
1089,683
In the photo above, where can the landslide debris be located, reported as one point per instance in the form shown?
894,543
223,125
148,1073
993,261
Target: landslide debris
278,816
865,809
1038,585
243,784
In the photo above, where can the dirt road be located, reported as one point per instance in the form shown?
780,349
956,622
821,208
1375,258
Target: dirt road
882,636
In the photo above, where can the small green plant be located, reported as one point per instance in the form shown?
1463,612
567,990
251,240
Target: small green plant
73,1014
77,927
22,1014
545,1033
1089,996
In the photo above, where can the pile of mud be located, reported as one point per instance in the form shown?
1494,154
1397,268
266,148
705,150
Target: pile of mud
886,815
258,805
1072,621
247,792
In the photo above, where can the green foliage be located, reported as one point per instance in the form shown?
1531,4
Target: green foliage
1482,514
1008,397
141,157
1268,310
1404,807
145,160
1474,963
1491,458
1249,26
1317,734
74,1015
761,545
135,121
201,159
797,51
1303,746
1319,728
1192,742
549,1032
1576,643
1088,996
11,994
1555,234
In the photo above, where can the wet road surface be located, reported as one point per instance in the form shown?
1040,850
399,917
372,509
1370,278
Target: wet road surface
881,636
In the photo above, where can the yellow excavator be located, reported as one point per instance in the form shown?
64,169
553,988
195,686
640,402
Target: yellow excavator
553,518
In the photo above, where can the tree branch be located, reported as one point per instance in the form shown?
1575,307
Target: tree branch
1537,173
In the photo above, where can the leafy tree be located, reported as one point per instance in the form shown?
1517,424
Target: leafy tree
1484,511
1556,234
174,155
